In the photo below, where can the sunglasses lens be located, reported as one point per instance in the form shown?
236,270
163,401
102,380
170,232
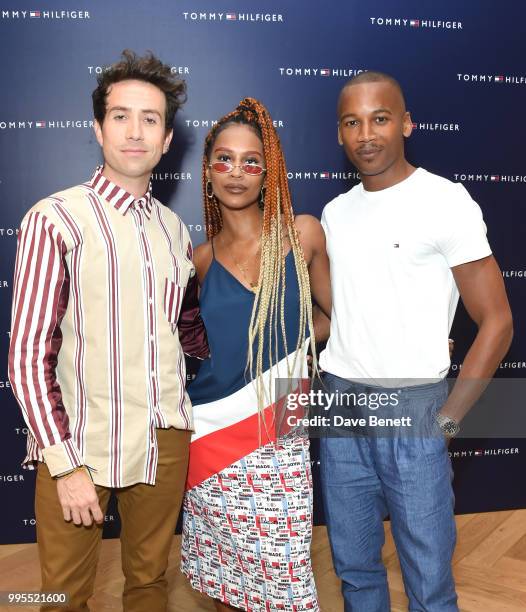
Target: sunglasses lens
252,169
222,167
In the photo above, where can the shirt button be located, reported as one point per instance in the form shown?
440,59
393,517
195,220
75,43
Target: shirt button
150,301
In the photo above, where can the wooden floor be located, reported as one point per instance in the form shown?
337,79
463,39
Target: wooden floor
489,566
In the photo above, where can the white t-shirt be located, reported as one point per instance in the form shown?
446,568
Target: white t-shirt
394,295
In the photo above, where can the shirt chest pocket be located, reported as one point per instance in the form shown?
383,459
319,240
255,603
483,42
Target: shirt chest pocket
174,289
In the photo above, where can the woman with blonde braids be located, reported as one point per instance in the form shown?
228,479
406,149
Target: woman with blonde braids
248,507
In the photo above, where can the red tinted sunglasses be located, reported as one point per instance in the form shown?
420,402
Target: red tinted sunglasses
223,167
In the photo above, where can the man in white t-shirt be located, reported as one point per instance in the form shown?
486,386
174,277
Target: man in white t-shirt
402,245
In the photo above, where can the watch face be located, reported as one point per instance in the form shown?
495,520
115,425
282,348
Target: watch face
450,427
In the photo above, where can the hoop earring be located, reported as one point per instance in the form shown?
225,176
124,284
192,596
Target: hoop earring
209,192
261,202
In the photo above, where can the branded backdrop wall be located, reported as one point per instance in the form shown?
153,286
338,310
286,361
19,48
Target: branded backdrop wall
462,68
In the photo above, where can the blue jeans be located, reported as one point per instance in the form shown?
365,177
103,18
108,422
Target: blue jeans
408,477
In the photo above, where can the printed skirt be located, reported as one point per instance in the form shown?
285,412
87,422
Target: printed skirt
247,530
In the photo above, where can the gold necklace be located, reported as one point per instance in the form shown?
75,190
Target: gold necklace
243,266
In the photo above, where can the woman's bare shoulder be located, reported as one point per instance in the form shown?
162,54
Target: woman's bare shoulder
307,223
203,255
310,230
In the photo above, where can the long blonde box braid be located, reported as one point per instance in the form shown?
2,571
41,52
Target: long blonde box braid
269,302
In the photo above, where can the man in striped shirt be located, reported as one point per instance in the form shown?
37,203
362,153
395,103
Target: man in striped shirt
95,358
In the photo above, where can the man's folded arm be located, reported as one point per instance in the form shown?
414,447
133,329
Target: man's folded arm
40,297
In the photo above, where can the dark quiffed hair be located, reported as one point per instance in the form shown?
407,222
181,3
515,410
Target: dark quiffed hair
147,68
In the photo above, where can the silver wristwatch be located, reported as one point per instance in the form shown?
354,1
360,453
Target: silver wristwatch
449,426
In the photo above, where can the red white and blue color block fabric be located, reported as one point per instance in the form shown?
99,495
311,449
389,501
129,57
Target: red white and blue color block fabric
248,508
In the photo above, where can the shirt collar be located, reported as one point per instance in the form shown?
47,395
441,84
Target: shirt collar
118,197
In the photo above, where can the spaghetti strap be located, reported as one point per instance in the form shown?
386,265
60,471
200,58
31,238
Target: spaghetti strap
213,252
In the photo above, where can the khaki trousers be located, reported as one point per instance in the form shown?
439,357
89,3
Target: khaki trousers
69,553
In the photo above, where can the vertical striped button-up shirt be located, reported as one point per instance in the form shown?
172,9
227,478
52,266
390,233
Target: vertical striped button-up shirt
95,360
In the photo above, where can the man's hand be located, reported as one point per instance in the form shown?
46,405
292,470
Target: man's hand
78,499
